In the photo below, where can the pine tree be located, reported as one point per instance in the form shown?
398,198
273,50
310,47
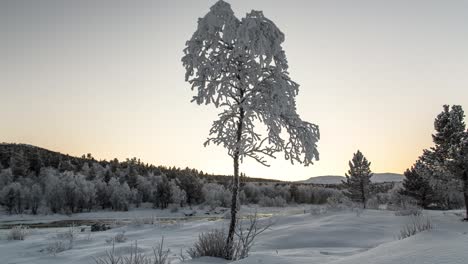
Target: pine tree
163,193
445,159
417,186
19,165
458,165
358,179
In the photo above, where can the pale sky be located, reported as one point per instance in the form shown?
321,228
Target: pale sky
105,77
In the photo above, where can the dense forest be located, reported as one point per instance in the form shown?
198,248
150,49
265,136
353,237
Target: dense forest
36,180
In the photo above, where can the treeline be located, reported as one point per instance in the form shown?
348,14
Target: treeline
28,158
35,180
438,179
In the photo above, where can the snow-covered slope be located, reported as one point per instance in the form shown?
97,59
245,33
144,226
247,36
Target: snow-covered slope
376,178
333,237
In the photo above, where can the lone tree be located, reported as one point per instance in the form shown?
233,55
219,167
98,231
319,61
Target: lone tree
417,186
240,67
358,179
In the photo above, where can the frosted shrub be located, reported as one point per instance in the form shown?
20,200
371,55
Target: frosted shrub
56,247
18,233
246,232
160,256
69,236
213,244
272,202
118,238
137,222
338,201
318,210
216,195
209,244
416,224
416,211
406,208
373,203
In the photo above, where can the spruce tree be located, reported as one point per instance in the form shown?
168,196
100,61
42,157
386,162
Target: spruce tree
458,165
446,158
417,186
358,179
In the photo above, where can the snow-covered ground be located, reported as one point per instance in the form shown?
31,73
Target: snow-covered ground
295,237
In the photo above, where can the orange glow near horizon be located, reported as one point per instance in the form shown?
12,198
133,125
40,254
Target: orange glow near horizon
101,78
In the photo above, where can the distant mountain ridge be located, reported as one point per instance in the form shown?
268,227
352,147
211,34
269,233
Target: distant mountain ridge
335,179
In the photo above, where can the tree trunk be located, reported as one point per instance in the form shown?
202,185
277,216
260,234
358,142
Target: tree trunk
363,194
465,193
235,190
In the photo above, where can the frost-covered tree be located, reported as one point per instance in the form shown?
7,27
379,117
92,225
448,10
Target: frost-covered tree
192,186
358,179
54,191
416,185
6,177
162,195
241,68
449,129
216,195
19,164
458,165
120,195
13,196
35,198
103,193
178,196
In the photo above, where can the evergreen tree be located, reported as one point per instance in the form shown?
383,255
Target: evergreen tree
417,186
163,195
458,165
192,186
445,158
358,179
19,164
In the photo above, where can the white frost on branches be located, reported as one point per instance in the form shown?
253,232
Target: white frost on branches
240,67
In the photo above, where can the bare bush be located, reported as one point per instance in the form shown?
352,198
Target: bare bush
18,233
266,201
137,222
136,257
416,224
110,257
407,208
209,244
318,210
213,244
56,247
118,238
63,241
246,232
160,256
69,235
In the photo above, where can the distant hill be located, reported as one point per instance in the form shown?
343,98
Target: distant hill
376,178
36,157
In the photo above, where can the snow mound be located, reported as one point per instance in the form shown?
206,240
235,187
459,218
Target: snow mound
434,246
